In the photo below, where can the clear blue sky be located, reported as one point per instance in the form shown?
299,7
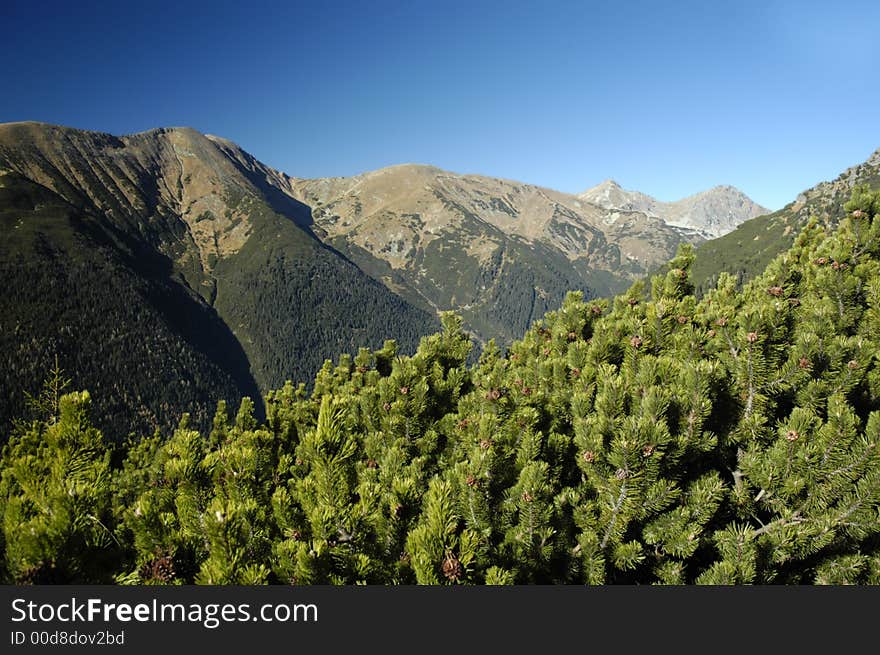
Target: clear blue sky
668,98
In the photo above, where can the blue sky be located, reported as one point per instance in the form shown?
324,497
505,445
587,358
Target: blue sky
669,98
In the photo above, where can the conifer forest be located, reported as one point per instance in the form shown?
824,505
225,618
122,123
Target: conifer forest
655,437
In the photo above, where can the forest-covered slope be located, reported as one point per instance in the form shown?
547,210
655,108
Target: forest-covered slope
652,438
163,275
79,293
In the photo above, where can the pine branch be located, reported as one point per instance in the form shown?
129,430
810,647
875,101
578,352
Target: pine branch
794,519
614,513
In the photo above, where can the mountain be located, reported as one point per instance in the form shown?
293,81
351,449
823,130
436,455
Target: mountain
499,252
169,269
164,272
746,251
712,213
610,195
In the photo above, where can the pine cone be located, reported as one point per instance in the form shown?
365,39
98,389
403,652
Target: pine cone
158,569
635,342
589,456
752,337
452,568
775,291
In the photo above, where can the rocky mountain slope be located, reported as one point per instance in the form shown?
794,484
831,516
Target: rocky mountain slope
746,251
164,273
500,252
712,213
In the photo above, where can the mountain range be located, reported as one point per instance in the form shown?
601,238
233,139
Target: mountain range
500,252
169,269
711,213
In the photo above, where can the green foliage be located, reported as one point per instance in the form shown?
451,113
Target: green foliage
650,439
56,504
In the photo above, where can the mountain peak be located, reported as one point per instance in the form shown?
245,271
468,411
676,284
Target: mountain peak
724,188
409,167
173,129
610,195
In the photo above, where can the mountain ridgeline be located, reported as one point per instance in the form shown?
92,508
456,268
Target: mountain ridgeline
500,253
168,269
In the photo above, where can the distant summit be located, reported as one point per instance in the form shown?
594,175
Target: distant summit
610,195
712,213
